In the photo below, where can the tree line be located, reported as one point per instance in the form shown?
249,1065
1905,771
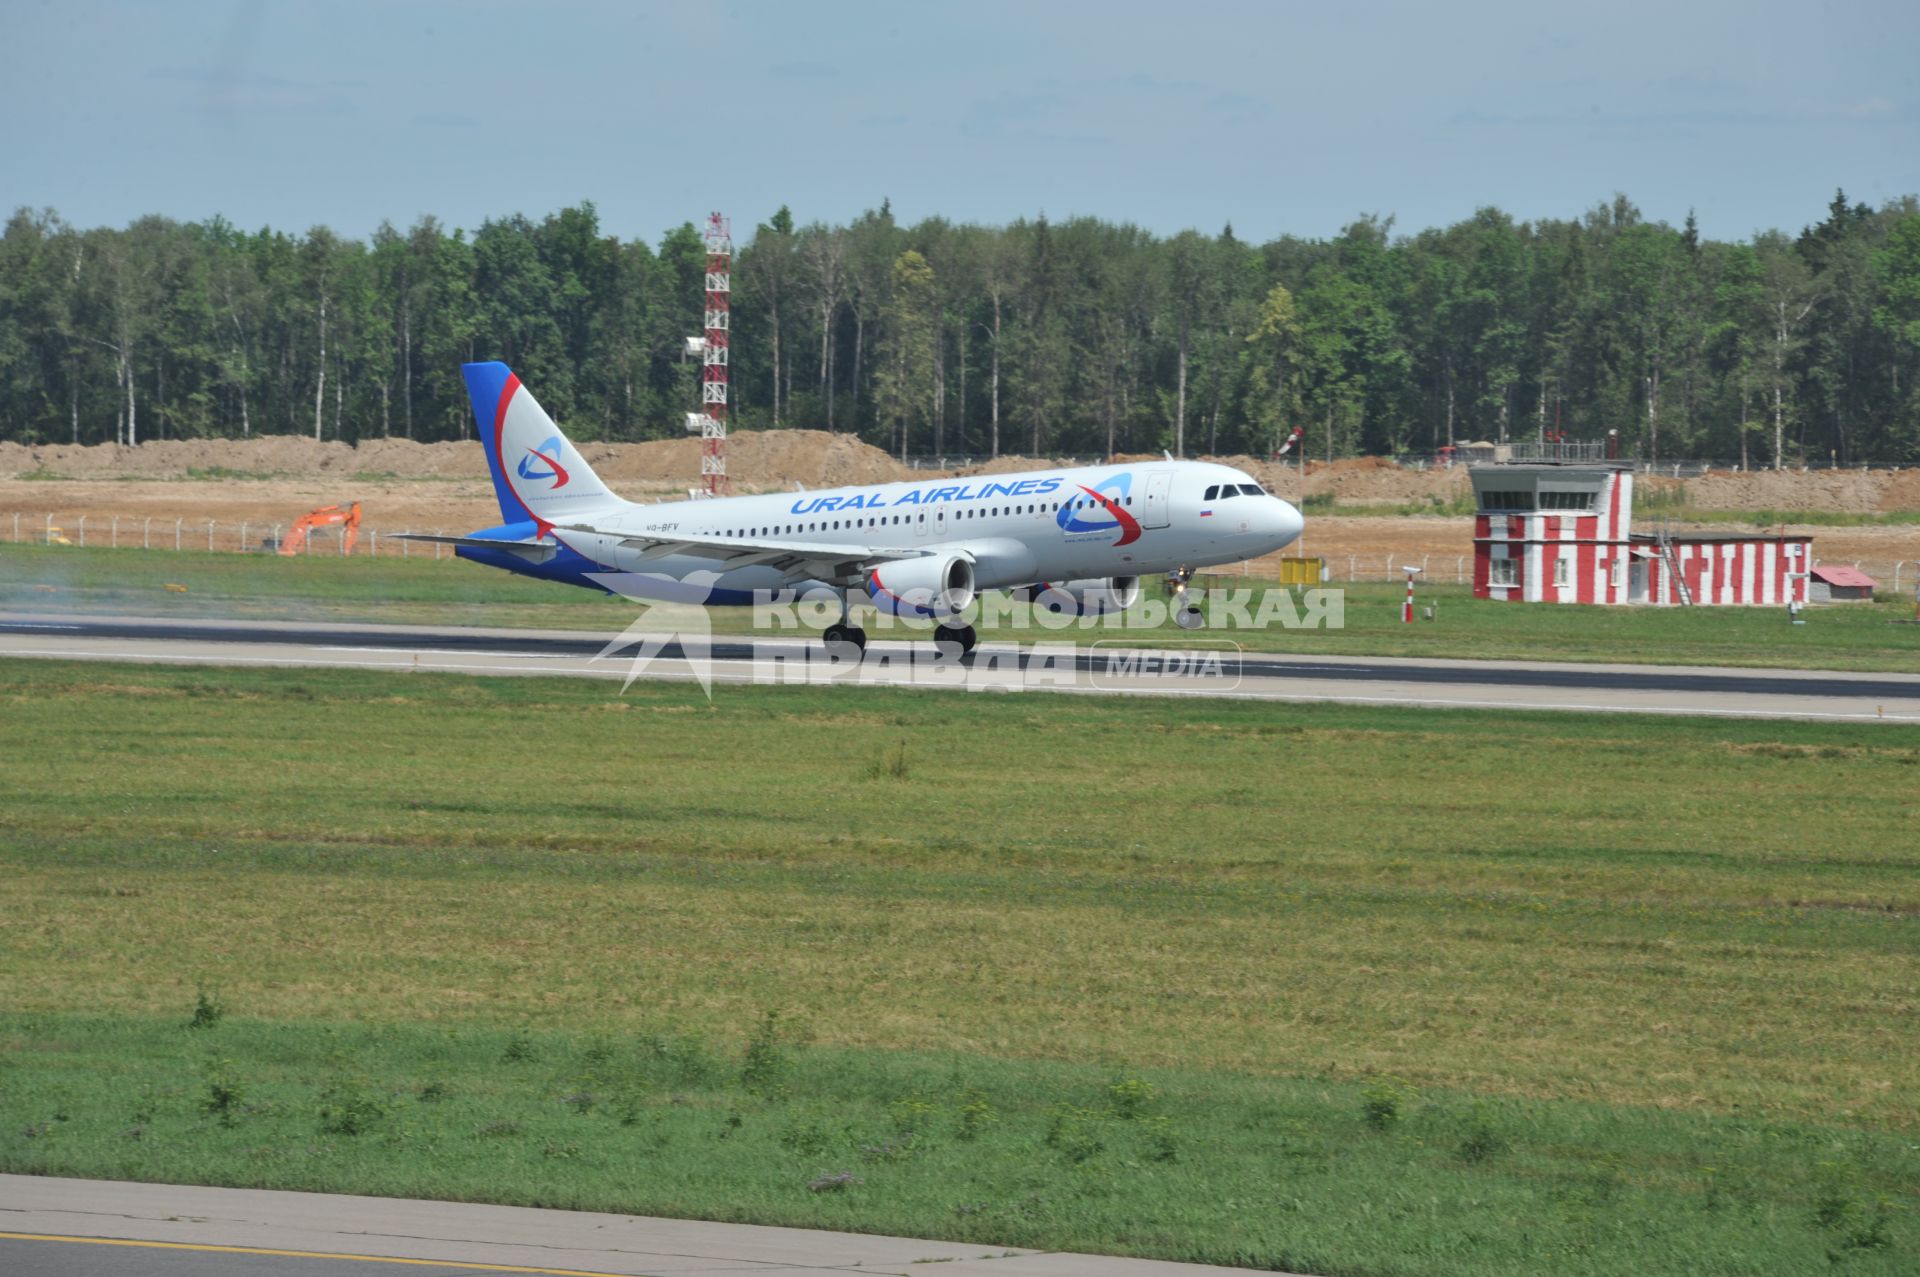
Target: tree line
1080,336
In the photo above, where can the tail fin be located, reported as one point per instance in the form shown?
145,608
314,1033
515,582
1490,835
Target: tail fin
537,473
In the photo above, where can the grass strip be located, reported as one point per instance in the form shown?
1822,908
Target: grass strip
1305,1174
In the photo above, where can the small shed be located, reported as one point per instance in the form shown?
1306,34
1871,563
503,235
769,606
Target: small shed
1840,585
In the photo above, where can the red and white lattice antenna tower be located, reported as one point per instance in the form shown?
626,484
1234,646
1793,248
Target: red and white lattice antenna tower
713,348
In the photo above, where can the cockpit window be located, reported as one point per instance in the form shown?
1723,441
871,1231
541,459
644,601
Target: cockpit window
1213,492
1252,490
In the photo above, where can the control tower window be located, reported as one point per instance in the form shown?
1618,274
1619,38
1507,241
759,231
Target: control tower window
1581,501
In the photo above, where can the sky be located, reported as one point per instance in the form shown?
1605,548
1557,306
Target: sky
1278,118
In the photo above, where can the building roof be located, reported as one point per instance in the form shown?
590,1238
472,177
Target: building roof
1838,575
1701,538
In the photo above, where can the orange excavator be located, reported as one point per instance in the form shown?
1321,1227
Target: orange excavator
348,516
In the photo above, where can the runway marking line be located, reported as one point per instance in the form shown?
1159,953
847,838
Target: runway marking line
735,677
301,1254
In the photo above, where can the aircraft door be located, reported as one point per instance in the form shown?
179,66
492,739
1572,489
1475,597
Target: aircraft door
920,522
940,519
1153,499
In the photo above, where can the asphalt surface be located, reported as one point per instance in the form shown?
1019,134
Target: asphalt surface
99,1228
1068,662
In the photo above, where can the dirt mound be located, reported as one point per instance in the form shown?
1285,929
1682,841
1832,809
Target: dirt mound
420,460
782,458
1841,491
1902,491
1358,481
1013,465
172,458
757,459
288,455
1399,487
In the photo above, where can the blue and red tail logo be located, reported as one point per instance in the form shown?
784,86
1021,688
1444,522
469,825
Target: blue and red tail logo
1108,498
549,452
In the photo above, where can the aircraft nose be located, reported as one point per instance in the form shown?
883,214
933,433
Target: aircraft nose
1286,521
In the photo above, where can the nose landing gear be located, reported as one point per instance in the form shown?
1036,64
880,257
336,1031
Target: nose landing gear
1186,613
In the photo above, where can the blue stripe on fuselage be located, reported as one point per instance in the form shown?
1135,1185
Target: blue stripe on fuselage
568,566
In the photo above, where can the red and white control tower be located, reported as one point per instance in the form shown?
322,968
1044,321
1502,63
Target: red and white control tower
710,423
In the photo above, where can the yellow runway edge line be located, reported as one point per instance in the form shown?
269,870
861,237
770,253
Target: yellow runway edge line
302,1254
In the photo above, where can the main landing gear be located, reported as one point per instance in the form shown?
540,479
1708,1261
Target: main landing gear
849,642
954,641
845,642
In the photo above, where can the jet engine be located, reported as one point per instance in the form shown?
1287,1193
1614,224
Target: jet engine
1095,597
935,585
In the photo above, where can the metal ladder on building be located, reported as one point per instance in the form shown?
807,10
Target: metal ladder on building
1664,538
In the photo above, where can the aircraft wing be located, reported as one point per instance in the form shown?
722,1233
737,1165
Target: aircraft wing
538,551
797,560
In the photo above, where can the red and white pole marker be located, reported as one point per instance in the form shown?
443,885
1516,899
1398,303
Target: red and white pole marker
1406,610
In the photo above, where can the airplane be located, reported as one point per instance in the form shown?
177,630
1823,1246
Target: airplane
1073,540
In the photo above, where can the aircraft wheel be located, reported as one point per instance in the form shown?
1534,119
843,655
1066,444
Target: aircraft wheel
1190,618
845,642
955,641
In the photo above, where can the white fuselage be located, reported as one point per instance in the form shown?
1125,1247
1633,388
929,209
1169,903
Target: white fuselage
1018,529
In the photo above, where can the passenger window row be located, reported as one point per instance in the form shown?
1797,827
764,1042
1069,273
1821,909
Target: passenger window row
833,525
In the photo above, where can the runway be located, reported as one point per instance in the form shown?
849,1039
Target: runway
101,1228
1208,665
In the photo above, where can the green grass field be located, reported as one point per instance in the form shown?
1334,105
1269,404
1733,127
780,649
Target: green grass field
1339,989
1306,1174
423,591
